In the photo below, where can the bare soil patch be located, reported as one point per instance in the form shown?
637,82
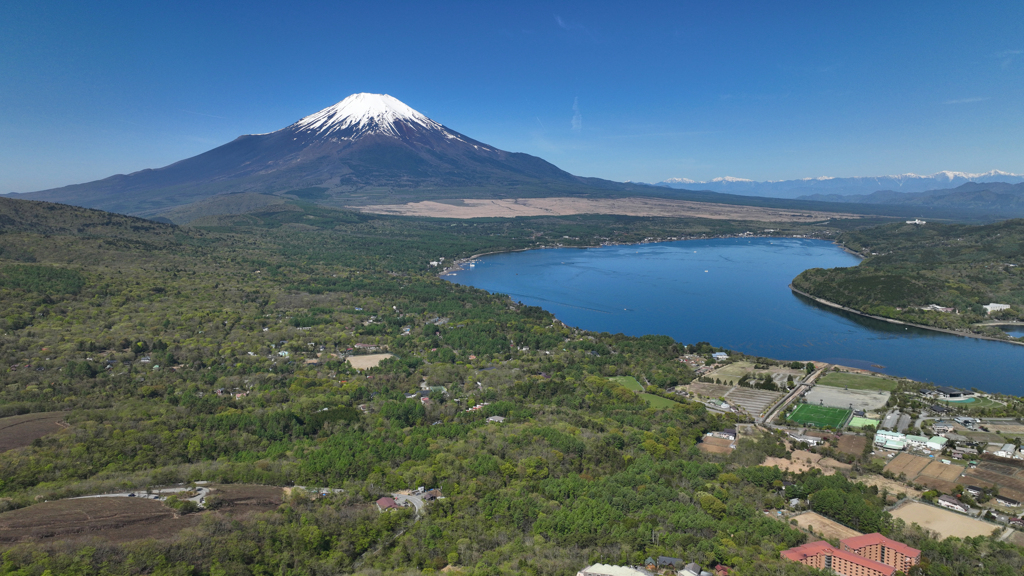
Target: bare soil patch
111,519
802,461
508,208
1016,538
715,445
824,528
1008,475
367,360
942,522
852,445
125,519
893,486
19,431
907,464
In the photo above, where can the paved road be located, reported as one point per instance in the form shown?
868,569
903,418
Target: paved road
160,494
416,502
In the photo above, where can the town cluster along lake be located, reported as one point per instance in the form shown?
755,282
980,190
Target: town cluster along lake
734,293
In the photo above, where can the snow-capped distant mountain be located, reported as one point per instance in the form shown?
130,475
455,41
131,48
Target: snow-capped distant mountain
367,145
842,186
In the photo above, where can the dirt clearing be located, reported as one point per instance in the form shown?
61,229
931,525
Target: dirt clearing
824,528
367,361
852,445
18,431
484,208
942,522
802,461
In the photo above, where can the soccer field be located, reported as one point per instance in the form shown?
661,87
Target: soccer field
820,416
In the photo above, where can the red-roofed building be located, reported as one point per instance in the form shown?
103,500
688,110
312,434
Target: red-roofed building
386,503
823,556
881,549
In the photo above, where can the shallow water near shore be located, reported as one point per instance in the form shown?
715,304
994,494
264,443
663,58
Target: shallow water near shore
733,292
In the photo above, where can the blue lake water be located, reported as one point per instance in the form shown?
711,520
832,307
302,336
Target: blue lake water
734,293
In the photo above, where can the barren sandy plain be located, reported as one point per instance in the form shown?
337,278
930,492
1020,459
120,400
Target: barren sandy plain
510,208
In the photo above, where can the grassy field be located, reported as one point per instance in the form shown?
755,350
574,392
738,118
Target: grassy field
627,382
731,373
658,401
820,416
856,381
977,403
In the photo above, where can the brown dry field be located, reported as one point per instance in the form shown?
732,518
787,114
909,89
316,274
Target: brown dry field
487,208
824,527
940,471
367,360
1010,479
799,463
943,522
18,431
907,464
1016,538
852,445
893,486
124,519
715,445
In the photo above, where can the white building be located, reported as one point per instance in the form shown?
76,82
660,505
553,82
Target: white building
883,436
917,221
1006,451
993,307
953,504
608,570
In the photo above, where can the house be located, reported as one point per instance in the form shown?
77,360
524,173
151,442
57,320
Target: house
496,419
1017,522
881,549
974,490
670,562
1006,451
727,434
1008,502
722,570
935,443
953,504
608,570
433,494
693,569
720,356
941,427
386,503
426,401
993,307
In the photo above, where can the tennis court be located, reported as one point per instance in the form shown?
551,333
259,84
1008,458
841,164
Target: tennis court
820,416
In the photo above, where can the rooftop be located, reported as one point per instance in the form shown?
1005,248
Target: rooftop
801,553
858,542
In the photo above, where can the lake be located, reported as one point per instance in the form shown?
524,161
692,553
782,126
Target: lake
733,293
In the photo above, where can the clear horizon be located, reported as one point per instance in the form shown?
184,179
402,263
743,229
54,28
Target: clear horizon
666,90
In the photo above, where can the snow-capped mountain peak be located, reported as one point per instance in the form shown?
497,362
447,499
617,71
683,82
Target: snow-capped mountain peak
365,113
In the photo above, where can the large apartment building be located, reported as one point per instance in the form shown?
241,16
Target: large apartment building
867,555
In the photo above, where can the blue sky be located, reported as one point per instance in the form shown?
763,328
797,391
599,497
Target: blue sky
624,91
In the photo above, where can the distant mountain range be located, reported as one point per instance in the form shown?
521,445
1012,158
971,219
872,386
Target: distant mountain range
368,147
861,185
993,197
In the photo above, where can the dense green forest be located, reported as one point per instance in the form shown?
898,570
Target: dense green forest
908,267
218,353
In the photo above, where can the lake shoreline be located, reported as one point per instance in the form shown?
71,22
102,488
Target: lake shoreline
900,322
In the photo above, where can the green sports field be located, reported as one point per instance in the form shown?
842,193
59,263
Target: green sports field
627,382
820,416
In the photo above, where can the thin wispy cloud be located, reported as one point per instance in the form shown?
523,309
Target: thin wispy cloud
1008,56
577,118
968,100
573,27
201,114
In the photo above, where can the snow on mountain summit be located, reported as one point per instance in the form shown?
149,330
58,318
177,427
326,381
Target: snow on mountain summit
364,113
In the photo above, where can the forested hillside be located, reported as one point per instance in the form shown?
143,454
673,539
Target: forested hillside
220,354
908,267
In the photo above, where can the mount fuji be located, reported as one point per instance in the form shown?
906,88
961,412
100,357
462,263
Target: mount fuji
366,148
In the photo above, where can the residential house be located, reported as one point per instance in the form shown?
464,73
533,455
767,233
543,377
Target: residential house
727,434
720,356
953,504
1009,502
386,503
941,427
433,494
1017,522
496,419
670,562
1006,451
974,490
608,570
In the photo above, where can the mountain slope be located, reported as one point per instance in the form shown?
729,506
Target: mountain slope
994,197
367,144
